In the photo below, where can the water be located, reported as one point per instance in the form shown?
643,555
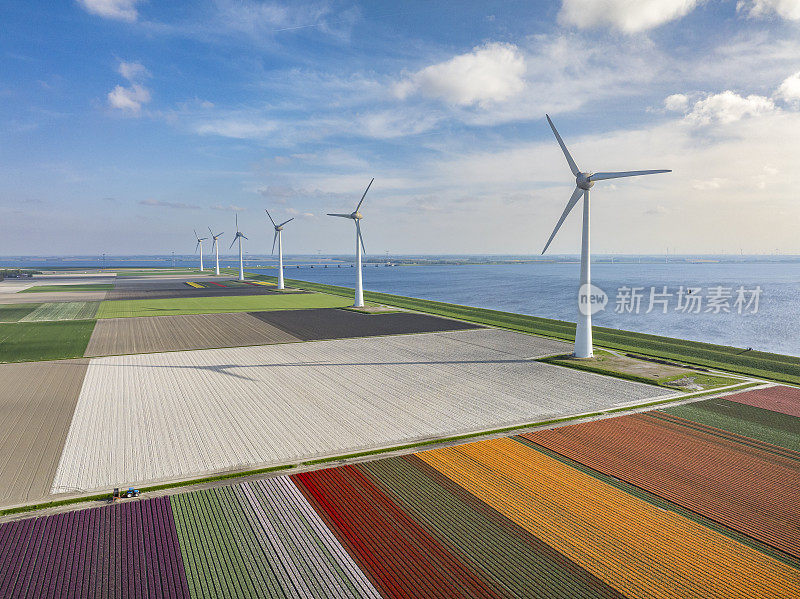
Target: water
549,290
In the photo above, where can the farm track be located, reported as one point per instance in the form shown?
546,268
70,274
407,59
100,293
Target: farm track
742,483
37,401
785,400
631,545
114,336
155,417
63,311
53,297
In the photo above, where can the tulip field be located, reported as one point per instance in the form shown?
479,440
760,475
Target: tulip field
507,517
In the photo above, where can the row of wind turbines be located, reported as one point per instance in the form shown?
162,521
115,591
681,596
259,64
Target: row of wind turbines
587,295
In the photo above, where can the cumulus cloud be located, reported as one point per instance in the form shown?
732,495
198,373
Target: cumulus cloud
789,90
676,102
228,208
629,16
729,107
165,204
490,73
132,70
121,10
128,99
131,98
787,9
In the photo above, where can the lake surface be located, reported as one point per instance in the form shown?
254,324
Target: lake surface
550,289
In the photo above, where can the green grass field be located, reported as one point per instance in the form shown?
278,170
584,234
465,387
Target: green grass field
35,341
775,367
62,311
211,305
52,288
771,427
13,312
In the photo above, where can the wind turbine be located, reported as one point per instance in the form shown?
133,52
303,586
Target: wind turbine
200,241
277,237
586,296
357,216
239,236
216,248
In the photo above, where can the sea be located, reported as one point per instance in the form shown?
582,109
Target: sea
743,301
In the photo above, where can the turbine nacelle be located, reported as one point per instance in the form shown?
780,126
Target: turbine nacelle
584,181
356,216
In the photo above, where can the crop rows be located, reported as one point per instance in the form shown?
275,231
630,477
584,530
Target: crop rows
637,548
128,550
742,483
173,415
785,400
63,311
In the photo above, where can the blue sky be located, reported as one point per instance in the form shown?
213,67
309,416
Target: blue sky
125,124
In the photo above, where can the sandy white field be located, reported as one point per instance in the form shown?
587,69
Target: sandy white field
182,414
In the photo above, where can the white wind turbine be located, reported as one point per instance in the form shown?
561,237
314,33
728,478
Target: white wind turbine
357,216
584,182
216,248
278,229
239,237
200,241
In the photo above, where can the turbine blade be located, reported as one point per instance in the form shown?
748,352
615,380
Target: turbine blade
360,236
212,232
234,241
270,217
195,234
365,195
572,166
286,221
237,222
576,195
341,215
617,175
197,246
274,239
242,235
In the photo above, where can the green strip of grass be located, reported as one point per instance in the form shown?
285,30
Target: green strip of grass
13,312
52,288
36,341
765,365
211,305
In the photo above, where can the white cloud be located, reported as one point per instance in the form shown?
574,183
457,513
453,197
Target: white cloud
165,204
630,16
132,70
728,107
787,9
490,73
237,128
228,208
676,102
129,99
121,10
789,90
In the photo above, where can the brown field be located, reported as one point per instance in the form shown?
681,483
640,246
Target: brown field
151,334
37,401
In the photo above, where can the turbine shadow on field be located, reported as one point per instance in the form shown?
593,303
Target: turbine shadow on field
225,368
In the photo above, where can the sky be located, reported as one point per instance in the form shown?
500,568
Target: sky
126,124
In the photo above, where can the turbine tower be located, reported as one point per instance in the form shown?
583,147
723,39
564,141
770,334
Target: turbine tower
200,241
216,248
277,237
583,183
357,216
239,237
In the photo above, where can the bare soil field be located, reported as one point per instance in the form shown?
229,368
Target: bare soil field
333,323
37,401
113,336
177,415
